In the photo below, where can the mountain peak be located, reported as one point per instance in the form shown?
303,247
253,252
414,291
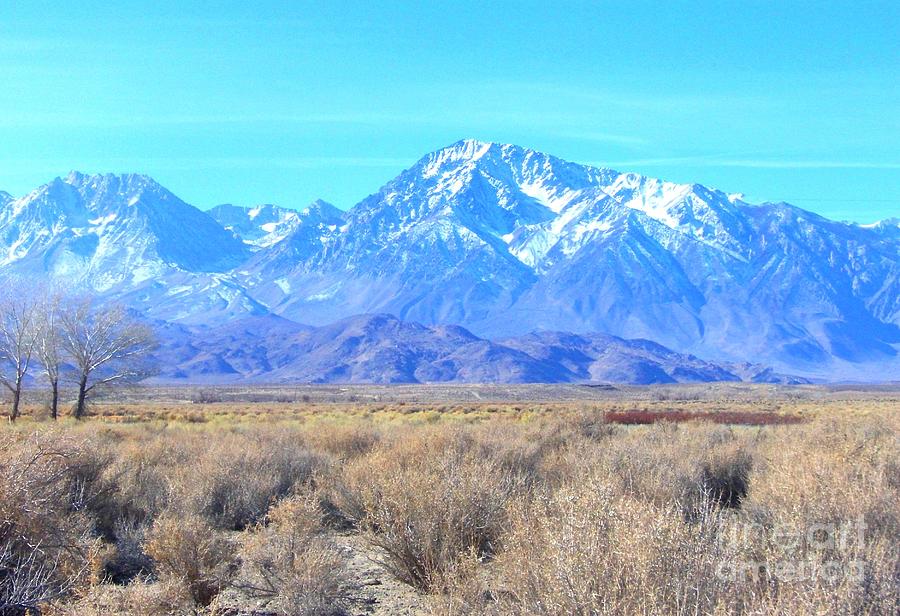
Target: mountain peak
103,231
470,146
79,179
265,225
75,177
474,149
259,225
323,208
455,154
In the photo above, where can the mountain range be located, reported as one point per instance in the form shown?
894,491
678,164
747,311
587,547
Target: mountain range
381,348
539,262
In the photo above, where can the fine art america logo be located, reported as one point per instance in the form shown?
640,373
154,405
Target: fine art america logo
818,552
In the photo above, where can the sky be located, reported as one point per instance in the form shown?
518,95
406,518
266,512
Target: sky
286,102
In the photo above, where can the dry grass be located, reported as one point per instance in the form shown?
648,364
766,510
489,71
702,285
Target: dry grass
493,508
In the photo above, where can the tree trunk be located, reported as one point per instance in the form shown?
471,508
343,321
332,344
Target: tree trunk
54,399
17,395
82,392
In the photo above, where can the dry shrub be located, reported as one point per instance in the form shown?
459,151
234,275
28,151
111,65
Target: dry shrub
693,466
291,566
90,490
46,548
831,470
732,418
189,549
560,514
587,549
233,480
142,471
168,597
124,559
432,502
591,424
344,442
530,454
838,478
702,520
134,489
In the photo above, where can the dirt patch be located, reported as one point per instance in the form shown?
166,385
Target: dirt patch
375,592
378,592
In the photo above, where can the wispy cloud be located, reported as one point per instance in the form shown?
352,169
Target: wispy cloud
703,161
120,165
602,137
57,120
17,45
808,164
614,96
299,162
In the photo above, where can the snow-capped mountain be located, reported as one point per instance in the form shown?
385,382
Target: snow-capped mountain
111,230
505,240
438,244
123,236
499,239
259,226
269,272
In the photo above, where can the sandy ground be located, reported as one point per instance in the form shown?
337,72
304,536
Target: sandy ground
378,593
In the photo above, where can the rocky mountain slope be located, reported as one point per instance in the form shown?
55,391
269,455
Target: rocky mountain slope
383,349
260,226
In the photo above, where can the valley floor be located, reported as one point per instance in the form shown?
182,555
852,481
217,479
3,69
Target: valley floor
452,500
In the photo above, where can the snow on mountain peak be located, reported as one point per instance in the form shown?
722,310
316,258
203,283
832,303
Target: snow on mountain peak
108,230
120,182
257,226
464,151
265,225
516,173
881,225
529,202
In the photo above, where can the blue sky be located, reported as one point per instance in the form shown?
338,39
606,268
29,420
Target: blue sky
287,102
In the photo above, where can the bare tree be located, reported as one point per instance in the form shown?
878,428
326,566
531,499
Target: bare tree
105,346
49,345
18,342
